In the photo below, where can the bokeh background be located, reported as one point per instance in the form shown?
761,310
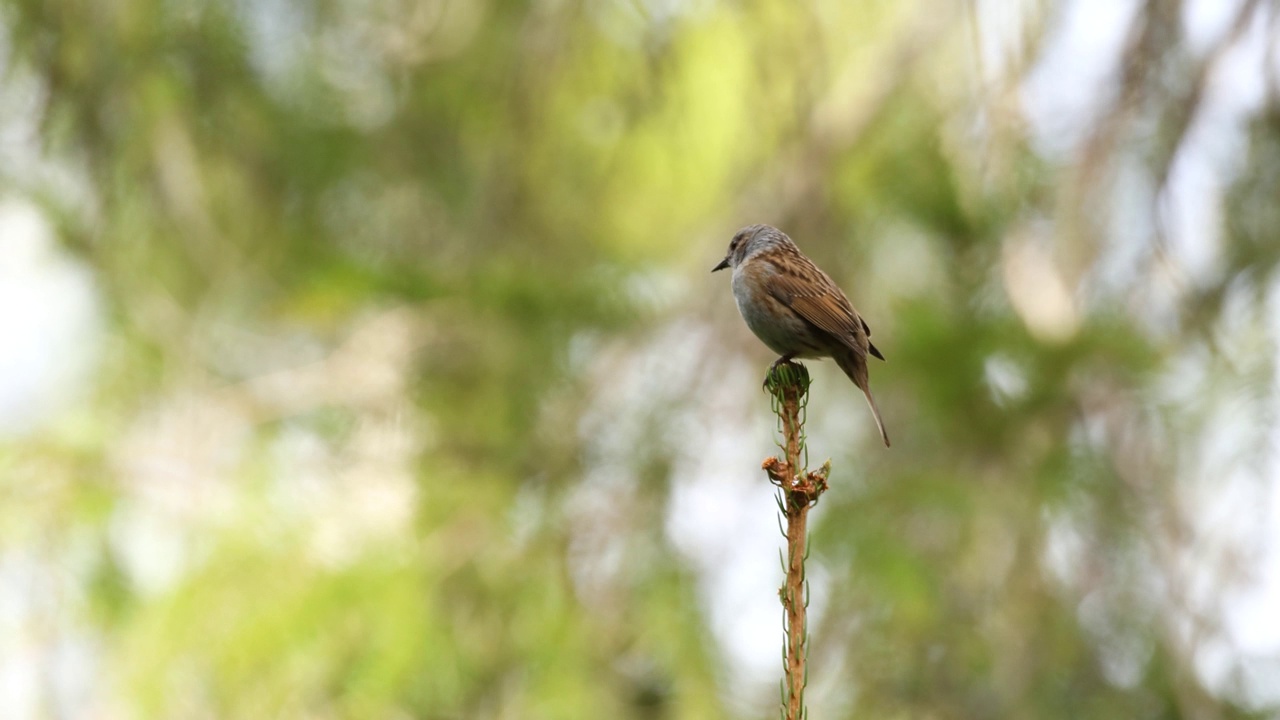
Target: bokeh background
359,359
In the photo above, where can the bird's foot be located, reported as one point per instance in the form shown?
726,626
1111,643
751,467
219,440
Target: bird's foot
783,360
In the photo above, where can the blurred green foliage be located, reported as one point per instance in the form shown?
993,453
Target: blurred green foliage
376,274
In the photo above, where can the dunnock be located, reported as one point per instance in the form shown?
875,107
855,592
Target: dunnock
795,309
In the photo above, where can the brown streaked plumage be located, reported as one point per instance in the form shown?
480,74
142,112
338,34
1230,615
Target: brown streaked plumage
795,308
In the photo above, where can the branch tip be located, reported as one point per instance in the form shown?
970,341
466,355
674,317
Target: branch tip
786,380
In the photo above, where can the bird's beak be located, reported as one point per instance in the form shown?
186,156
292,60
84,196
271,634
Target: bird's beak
723,264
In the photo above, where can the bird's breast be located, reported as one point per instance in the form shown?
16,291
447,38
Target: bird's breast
777,325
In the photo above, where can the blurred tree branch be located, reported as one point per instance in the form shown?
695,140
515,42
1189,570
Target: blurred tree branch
798,490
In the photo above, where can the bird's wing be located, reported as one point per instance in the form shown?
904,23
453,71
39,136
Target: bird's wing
816,299
875,351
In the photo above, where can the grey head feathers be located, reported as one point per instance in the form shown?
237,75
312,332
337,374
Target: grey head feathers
749,241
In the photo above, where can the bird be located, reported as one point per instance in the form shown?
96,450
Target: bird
796,309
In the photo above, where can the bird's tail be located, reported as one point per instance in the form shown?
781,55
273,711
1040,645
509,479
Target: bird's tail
875,411
856,368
